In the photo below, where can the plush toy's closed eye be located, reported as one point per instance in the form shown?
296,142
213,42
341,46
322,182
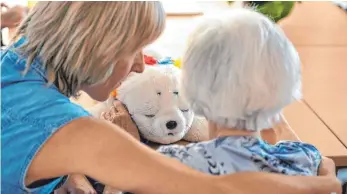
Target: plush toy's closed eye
150,116
185,110
159,93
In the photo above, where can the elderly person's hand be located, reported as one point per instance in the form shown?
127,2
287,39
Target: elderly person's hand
13,16
76,184
119,115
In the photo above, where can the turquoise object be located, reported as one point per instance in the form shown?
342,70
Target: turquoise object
166,61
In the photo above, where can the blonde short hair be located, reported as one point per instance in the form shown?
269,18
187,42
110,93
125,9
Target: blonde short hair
240,70
80,42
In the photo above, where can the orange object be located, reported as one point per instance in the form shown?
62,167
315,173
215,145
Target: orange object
114,93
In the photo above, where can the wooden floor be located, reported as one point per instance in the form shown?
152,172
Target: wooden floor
319,32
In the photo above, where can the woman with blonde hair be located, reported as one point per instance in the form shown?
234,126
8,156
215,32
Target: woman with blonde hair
65,47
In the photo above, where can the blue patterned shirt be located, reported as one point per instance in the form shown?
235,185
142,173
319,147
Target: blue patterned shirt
226,155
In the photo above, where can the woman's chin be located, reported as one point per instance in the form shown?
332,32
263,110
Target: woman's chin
98,93
100,97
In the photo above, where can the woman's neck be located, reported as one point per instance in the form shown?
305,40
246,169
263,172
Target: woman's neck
218,131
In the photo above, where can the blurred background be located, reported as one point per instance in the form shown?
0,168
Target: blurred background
319,32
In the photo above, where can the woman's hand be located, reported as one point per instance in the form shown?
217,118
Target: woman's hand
120,116
131,166
76,184
271,183
327,167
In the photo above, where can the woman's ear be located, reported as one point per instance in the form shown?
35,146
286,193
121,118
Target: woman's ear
198,131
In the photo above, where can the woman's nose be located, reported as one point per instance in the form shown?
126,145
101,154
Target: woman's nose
139,64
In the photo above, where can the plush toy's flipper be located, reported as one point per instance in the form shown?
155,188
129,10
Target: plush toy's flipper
198,131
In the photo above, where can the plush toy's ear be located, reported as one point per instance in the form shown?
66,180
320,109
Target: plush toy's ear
198,131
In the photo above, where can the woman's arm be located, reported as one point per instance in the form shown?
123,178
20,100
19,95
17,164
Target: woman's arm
107,153
110,155
271,183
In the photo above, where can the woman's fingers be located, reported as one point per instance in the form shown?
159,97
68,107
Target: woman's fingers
65,190
75,191
113,113
80,191
102,116
271,183
106,116
121,117
76,184
61,190
327,167
120,108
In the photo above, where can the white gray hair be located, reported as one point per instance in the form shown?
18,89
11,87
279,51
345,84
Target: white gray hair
240,70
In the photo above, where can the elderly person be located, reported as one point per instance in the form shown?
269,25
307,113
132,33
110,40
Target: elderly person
235,52
65,47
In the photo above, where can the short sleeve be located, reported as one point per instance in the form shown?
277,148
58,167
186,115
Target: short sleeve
32,112
33,101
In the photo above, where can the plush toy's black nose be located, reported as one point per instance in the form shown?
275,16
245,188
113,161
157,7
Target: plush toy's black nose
171,125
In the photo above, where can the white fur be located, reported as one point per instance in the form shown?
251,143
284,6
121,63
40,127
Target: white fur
139,93
153,93
240,70
153,51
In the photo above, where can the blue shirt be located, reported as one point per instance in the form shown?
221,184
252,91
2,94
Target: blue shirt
31,112
226,155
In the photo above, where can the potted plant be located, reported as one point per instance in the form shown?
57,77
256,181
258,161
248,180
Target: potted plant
277,10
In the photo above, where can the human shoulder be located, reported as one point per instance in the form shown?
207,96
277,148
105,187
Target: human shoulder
36,103
29,98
